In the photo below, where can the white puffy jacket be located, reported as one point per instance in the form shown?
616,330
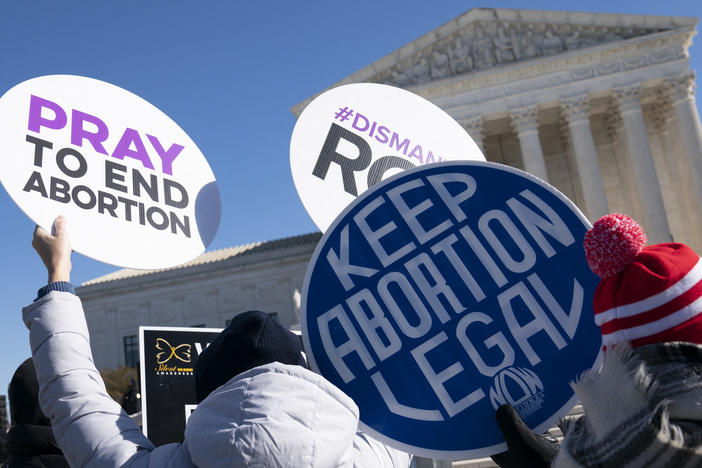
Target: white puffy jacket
271,416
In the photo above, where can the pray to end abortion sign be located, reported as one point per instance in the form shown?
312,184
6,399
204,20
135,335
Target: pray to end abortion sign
445,292
136,190
351,137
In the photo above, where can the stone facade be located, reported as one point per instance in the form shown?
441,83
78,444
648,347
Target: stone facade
206,292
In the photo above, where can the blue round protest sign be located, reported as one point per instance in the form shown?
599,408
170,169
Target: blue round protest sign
445,292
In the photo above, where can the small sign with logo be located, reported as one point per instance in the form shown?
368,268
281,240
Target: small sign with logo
445,292
351,137
168,356
136,190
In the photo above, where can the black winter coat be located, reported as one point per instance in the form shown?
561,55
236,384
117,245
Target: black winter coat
31,446
30,441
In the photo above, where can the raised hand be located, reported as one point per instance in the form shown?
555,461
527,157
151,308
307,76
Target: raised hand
54,250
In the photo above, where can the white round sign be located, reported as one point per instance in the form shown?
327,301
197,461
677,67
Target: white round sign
352,137
135,189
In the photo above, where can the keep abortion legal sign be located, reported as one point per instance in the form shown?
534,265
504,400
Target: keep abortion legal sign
351,137
446,291
136,190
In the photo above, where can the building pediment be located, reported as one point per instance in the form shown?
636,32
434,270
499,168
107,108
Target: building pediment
485,44
493,39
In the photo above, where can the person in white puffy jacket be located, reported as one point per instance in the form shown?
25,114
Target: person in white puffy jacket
273,415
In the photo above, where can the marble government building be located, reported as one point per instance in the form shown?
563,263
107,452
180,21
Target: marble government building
601,106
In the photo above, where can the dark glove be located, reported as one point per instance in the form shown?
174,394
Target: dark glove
525,449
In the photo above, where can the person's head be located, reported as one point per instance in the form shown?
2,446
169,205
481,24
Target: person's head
647,294
23,393
250,340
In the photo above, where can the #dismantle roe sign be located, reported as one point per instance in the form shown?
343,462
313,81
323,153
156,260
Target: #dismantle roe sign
136,190
351,137
446,291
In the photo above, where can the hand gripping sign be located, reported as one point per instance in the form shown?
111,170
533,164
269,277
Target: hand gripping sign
135,188
351,137
445,292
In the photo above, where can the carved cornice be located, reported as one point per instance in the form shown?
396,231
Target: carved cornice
563,68
576,108
628,98
486,44
613,64
681,87
525,119
644,41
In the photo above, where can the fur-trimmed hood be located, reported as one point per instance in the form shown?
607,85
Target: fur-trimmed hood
643,408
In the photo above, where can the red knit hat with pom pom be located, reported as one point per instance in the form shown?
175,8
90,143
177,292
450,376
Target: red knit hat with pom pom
647,294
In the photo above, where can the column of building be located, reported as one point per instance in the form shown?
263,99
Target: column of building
576,113
628,104
682,96
525,122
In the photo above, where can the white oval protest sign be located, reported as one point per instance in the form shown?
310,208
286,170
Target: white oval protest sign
352,137
136,190
445,292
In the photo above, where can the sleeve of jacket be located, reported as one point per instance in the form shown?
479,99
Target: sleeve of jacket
370,452
89,426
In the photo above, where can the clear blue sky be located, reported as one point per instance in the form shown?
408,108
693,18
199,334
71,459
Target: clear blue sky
228,73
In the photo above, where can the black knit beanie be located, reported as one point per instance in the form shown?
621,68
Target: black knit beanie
252,339
23,393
